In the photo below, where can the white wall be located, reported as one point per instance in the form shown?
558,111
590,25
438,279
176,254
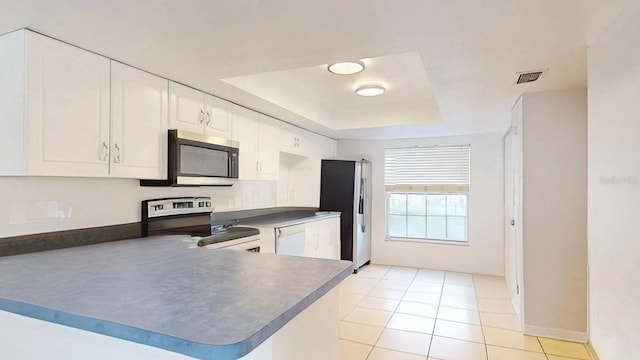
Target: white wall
485,252
554,213
614,188
28,202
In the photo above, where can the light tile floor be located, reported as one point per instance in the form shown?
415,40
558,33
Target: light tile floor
396,313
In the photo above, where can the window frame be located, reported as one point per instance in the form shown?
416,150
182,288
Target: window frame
427,239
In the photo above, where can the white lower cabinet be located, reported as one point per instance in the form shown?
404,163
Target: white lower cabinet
323,238
56,111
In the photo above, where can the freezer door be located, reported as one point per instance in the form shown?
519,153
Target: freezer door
362,214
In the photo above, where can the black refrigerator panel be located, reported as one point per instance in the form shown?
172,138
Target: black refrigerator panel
337,189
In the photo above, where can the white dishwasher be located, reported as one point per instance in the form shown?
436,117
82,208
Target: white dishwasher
291,240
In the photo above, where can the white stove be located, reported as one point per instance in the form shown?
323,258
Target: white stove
192,216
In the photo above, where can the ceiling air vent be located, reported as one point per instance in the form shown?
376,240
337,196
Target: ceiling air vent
527,77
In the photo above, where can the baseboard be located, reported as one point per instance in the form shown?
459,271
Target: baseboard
592,351
568,335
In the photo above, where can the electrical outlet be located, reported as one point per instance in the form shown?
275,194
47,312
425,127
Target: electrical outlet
46,210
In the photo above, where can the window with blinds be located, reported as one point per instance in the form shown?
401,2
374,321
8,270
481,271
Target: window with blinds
427,168
427,193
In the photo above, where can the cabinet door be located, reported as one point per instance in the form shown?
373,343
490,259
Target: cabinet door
68,109
327,148
217,117
186,108
288,138
309,193
328,238
139,120
312,242
269,151
247,125
305,142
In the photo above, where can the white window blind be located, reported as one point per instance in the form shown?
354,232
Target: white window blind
442,168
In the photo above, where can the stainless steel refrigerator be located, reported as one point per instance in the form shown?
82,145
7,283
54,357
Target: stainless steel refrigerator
345,186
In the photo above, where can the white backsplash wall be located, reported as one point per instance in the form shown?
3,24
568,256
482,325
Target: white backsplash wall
485,251
42,204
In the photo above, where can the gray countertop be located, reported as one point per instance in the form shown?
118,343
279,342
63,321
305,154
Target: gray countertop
289,218
163,292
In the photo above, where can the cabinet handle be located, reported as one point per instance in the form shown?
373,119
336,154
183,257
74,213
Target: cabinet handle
201,116
208,118
260,165
257,166
105,152
116,156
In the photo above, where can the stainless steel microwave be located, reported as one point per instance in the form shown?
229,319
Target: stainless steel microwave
198,160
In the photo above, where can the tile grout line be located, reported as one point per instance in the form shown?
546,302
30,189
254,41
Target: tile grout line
484,337
541,347
476,297
444,279
357,303
394,310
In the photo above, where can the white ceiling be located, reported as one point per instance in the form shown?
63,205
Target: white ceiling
469,53
329,99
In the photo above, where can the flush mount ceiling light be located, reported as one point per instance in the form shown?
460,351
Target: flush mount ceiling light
370,90
346,68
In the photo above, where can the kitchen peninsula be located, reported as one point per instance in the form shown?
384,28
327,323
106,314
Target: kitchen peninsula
169,300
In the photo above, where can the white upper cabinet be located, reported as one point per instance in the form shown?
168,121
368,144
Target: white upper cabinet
217,117
329,148
186,108
67,113
246,123
293,140
258,138
55,108
269,153
139,123
197,112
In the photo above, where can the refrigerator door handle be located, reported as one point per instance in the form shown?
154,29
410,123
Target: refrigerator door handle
363,196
